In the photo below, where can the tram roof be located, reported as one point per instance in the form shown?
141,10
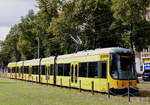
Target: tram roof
98,51
11,63
80,53
33,60
19,62
48,58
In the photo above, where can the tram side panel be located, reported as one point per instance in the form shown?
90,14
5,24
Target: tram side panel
94,71
85,72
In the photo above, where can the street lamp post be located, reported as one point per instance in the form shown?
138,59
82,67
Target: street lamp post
38,48
39,67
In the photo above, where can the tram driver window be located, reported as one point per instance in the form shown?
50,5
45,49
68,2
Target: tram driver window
113,67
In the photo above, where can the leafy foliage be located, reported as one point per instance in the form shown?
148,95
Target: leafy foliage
98,23
131,15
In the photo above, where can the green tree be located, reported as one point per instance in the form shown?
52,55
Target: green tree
48,10
27,44
4,55
90,20
131,15
62,26
9,52
96,18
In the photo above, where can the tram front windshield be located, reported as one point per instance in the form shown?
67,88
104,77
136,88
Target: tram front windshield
122,67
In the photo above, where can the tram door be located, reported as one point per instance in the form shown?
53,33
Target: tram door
74,74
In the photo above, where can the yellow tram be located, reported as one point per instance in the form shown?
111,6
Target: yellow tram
78,70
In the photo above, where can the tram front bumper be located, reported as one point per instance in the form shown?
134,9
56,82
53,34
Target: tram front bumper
123,90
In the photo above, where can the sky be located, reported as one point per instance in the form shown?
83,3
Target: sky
11,12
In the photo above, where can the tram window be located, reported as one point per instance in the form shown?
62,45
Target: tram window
37,69
66,69
93,69
17,69
33,69
60,69
21,69
51,69
43,69
8,70
26,69
13,69
83,69
76,73
104,69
